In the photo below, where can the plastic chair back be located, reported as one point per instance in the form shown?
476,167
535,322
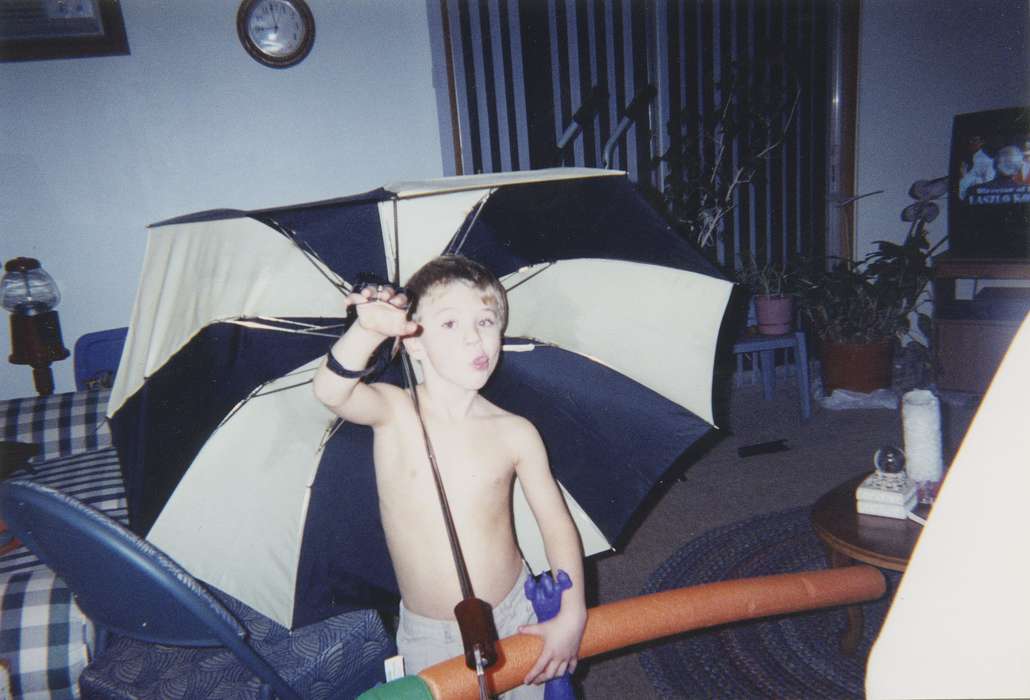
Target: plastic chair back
97,353
122,582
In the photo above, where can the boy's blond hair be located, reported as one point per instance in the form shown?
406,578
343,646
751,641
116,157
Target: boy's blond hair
455,268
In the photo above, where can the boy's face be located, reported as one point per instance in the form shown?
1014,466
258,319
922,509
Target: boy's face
461,333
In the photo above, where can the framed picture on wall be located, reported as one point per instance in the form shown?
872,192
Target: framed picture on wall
35,30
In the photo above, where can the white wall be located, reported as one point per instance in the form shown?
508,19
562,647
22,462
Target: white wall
921,62
93,150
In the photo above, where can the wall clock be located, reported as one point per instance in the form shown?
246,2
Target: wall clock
277,33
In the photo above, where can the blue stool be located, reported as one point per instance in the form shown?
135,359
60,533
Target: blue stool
764,349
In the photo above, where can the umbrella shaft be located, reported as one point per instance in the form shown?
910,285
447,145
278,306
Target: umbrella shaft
484,693
452,534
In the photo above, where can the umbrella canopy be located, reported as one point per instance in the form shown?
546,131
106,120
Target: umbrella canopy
235,469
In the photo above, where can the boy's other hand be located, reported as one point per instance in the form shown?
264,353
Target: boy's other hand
561,636
383,311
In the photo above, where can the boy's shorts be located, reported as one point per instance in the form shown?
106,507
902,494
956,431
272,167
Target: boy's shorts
424,641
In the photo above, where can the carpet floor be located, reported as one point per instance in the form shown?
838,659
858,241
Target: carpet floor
715,487
790,656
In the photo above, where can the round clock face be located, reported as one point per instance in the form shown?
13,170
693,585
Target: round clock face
277,33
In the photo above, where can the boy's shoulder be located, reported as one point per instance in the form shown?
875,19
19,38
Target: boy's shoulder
505,423
485,408
388,390
509,423
396,398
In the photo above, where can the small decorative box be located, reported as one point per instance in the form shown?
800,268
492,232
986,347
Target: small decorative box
887,495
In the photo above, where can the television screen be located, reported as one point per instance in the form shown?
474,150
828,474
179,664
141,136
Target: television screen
989,184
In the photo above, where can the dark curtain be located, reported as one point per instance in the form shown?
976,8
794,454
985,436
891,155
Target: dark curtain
541,83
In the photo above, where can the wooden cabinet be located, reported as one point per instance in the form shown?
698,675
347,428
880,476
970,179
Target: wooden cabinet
972,335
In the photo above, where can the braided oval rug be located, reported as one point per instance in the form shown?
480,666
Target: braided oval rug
791,656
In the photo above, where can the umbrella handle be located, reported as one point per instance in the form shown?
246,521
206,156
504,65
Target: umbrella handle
478,633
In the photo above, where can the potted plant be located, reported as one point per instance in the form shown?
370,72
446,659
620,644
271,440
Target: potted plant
841,307
862,311
771,287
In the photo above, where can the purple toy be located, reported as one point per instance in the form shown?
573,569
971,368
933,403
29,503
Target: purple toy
545,595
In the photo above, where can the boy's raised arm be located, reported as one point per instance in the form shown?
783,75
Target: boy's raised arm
381,315
563,633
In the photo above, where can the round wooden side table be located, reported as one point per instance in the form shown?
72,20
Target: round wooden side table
851,537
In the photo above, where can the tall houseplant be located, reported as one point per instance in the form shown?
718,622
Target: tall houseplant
714,154
863,311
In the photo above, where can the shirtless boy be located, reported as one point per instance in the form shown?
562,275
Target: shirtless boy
453,330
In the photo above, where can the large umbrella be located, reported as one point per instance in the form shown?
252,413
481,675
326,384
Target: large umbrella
235,470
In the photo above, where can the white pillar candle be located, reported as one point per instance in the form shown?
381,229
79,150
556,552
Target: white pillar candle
921,427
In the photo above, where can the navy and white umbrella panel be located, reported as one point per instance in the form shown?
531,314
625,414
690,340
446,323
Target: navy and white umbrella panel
239,473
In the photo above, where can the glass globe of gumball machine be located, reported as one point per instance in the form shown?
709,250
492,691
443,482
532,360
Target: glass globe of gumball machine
887,492
30,295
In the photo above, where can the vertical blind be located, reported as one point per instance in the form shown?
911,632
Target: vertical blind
529,84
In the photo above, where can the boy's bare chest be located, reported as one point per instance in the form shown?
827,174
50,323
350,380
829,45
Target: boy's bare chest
470,456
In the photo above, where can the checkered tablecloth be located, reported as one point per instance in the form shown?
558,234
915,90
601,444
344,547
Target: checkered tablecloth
62,424
95,478
43,635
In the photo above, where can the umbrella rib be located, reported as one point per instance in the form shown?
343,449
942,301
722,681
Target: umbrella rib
396,253
342,286
256,393
454,247
304,329
295,322
236,408
330,432
526,279
261,394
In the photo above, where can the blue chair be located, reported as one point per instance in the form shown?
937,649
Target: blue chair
763,349
163,635
96,356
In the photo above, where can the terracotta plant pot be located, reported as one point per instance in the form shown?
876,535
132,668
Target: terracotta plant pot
862,367
775,314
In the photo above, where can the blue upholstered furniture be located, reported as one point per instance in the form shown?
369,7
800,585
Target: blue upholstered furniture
96,357
763,349
44,636
166,636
